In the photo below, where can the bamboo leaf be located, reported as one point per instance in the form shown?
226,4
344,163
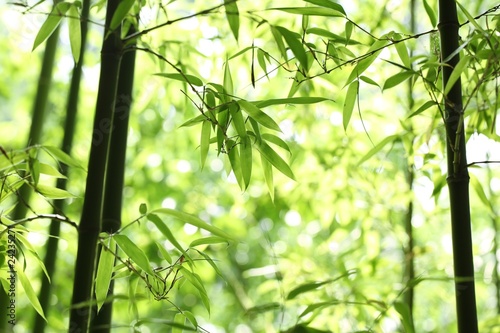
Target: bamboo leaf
51,23
368,80
422,108
397,79
164,253
206,130
49,170
275,159
403,54
191,79
121,11
268,175
195,280
311,286
190,317
194,121
350,100
279,42
234,160
348,31
331,36
276,140
238,121
211,262
430,13
257,114
75,34
404,312
193,220
313,11
233,17
133,252
455,74
378,147
158,222
28,289
470,18
293,41
228,82
363,64
104,272
246,160
291,101
62,157
53,192
328,4
208,240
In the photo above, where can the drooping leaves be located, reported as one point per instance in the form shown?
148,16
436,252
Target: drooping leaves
51,23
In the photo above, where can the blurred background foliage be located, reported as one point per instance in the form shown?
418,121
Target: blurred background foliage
340,222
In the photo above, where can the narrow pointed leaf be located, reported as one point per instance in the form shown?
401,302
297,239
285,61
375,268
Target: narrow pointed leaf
279,41
28,289
51,23
268,175
191,79
158,222
350,100
164,253
208,240
257,114
397,79
104,272
121,11
422,108
238,121
228,83
275,159
63,157
430,13
53,192
363,64
133,252
313,11
206,130
290,101
455,74
328,4
75,34
276,140
233,17
403,54
378,147
234,160
246,160
293,41
193,220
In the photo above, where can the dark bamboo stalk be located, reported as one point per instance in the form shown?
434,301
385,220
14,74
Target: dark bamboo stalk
113,193
458,176
90,223
67,143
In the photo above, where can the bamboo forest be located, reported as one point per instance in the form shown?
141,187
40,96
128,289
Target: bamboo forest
236,166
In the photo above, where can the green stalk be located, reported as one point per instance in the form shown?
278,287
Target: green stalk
34,137
113,193
458,176
90,223
67,143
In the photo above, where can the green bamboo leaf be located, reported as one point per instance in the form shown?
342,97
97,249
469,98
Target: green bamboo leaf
291,101
194,121
34,169
51,23
238,121
363,64
193,220
279,42
311,286
404,311
350,100
315,306
133,252
158,222
121,11
164,253
268,175
207,241
62,157
422,108
75,34
313,11
262,57
180,320
455,74
49,170
430,13
50,192
478,188
328,4
275,159
234,159
206,130
470,18
403,54
293,41
195,280
331,36
368,80
257,114
165,322
348,31
228,83
233,17
276,140
190,317
378,147
104,272
246,160
191,79
397,79
28,289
